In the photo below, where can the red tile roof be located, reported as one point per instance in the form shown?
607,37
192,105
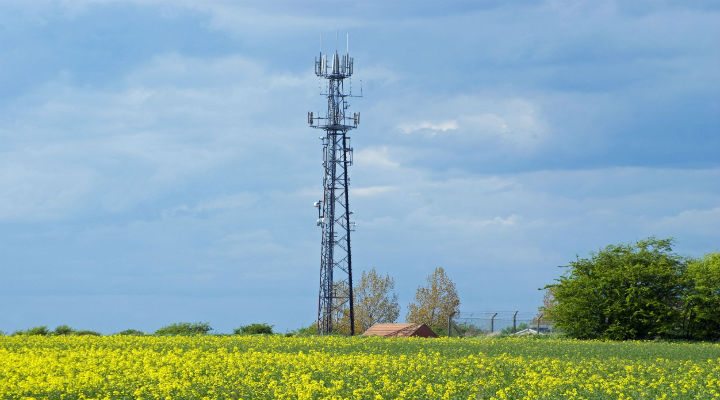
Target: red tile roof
404,330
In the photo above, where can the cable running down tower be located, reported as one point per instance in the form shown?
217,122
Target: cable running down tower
336,285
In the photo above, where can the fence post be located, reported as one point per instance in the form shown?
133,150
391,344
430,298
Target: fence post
538,321
515,321
492,323
450,323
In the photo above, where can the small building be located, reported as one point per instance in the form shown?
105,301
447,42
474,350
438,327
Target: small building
400,330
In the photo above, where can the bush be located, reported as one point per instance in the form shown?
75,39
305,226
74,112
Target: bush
185,329
62,330
87,333
131,332
309,330
38,330
254,329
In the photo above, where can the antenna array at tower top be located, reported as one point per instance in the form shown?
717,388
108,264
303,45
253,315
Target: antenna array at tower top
340,67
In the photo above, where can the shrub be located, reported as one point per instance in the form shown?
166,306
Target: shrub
254,329
309,330
131,332
62,330
185,328
38,330
87,333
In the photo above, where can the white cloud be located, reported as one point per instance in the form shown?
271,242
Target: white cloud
377,157
240,201
693,221
509,123
371,191
432,127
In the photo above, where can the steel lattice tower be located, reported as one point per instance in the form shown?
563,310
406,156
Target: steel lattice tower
336,285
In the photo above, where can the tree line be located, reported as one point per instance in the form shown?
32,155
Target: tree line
175,329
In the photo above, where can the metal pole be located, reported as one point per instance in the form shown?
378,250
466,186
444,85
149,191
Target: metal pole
347,233
492,323
515,322
538,321
450,323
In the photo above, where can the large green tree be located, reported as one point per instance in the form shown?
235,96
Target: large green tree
436,302
625,291
702,299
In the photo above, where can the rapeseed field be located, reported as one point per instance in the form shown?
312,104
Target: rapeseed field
276,367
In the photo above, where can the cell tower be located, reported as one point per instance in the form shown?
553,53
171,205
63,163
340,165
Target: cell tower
336,284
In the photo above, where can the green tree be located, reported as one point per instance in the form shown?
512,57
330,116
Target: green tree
185,328
38,330
309,330
436,302
87,332
254,329
625,291
702,299
131,332
63,330
375,300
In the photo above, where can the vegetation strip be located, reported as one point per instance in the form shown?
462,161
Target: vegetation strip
273,366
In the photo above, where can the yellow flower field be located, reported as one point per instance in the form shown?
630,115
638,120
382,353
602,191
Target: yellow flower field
234,367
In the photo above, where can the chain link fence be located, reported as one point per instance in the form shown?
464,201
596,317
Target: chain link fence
497,323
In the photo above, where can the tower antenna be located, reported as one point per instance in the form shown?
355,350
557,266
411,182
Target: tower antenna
335,299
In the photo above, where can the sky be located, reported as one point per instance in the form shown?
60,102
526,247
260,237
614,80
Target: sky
156,165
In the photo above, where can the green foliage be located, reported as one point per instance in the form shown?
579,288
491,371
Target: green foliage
87,333
621,292
255,329
309,330
702,300
131,332
184,329
62,330
38,330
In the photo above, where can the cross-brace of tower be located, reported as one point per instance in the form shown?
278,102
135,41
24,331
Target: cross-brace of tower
335,300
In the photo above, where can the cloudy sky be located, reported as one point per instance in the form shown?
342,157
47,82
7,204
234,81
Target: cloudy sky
155,164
